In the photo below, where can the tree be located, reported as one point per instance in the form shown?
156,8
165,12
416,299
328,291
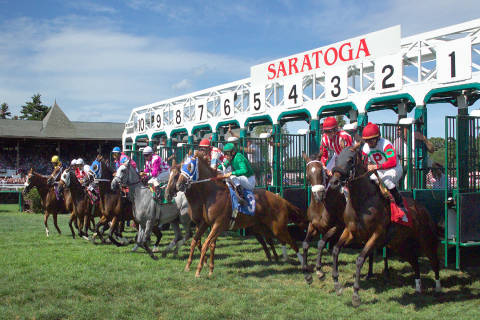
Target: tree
437,142
341,121
34,110
4,113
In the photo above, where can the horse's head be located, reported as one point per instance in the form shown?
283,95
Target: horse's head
29,183
171,189
188,173
348,165
316,176
125,175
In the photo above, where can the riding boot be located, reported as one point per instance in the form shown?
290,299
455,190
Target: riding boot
398,199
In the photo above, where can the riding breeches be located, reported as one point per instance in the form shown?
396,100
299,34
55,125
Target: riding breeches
246,182
390,177
162,177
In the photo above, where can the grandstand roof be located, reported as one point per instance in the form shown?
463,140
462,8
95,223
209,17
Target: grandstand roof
56,125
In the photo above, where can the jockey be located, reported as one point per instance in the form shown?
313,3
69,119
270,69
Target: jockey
57,163
242,174
120,157
383,159
157,170
333,141
214,154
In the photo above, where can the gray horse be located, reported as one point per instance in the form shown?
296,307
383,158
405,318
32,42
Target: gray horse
150,214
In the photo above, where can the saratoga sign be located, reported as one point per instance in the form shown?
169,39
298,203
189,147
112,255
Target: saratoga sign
370,46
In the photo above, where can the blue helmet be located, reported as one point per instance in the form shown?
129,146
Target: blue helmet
117,149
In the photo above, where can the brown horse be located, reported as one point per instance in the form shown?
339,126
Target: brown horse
261,233
325,215
50,203
210,205
67,197
83,209
367,218
113,207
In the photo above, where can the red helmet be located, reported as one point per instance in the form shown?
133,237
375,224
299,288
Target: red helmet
204,143
370,131
330,123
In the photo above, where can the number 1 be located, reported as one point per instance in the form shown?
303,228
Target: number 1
452,64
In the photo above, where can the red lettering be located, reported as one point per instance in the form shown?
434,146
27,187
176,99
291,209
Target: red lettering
350,52
316,54
281,68
292,64
306,62
271,69
362,47
335,54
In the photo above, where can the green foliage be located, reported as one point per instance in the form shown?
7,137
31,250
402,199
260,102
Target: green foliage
34,200
437,142
34,110
341,121
4,113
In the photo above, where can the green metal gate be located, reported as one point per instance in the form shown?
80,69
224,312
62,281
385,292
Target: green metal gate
462,179
259,151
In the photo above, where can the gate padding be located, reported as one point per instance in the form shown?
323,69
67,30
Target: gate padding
469,204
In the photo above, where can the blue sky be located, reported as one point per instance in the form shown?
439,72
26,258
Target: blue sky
100,59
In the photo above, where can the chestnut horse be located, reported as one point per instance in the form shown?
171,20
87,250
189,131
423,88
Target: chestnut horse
67,197
82,205
261,233
325,215
50,203
367,218
211,205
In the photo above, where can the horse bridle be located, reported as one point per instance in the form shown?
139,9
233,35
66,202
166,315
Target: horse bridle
315,188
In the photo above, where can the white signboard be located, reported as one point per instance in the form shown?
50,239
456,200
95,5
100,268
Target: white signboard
227,108
454,61
178,116
369,46
201,114
336,84
141,126
388,73
257,99
293,92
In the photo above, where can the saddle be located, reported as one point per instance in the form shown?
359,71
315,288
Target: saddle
248,208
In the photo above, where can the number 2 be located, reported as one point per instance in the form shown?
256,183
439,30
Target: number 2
389,69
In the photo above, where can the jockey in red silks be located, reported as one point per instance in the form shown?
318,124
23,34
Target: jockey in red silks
79,172
157,170
120,158
214,154
382,158
333,142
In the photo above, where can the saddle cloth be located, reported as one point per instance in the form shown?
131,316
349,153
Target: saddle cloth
249,209
397,214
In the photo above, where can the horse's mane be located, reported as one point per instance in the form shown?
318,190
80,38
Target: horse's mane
315,156
40,175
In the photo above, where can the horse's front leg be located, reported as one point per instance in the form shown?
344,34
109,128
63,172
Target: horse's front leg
195,242
55,223
70,222
113,227
306,245
177,236
45,222
321,245
345,238
360,261
148,231
158,233
209,242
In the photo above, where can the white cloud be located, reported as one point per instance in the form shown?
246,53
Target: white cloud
90,6
182,85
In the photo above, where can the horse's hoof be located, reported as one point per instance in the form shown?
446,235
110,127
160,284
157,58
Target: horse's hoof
94,235
309,278
210,273
197,274
187,269
320,275
86,238
338,289
356,301
135,248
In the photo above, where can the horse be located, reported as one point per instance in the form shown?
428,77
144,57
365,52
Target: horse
325,215
148,212
83,208
210,205
67,197
367,218
50,203
262,234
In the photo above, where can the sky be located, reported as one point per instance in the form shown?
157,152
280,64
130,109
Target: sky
101,59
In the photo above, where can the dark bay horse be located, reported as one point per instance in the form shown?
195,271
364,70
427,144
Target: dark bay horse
367,218
83,208
52,181
261,233
325,215
113,207
210,205
50,203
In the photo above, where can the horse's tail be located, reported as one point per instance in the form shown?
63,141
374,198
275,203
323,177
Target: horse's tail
296,215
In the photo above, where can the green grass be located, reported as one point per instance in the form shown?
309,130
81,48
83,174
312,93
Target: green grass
62,278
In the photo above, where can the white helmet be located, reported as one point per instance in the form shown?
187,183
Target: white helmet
74,162
80,161
147,150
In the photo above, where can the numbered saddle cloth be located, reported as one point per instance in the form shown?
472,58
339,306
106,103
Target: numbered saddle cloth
248,195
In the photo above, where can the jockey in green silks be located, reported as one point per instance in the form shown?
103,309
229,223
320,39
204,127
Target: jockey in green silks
242,175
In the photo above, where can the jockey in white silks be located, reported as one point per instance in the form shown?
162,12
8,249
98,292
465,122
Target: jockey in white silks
157,170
